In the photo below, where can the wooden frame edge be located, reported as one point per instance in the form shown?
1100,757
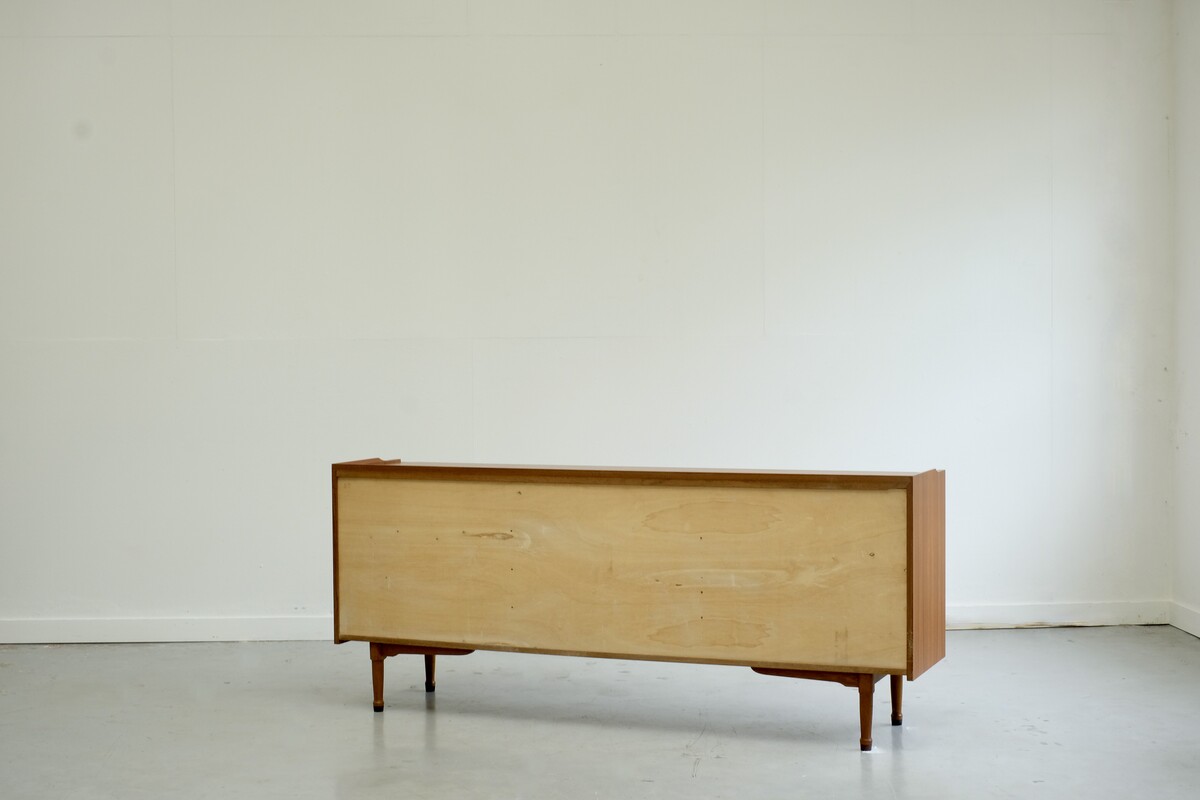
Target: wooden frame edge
625,475
910,578
337,636
422,645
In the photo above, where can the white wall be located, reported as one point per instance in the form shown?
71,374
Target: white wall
1186,611
240,241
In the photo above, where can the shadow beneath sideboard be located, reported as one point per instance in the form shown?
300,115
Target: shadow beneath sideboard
620,695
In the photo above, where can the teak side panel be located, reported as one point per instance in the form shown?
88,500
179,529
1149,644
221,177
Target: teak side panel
928,560
728,574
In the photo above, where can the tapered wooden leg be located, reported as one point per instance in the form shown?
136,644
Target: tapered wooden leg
382,650
897,699
377,675
866,700
864,682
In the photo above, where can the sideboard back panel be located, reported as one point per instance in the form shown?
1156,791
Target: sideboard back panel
751,575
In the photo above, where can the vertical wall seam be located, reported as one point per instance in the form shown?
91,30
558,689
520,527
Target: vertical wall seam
1050,246
471,365
174,178
762,174
1173,255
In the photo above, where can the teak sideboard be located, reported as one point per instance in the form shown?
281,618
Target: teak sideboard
827,576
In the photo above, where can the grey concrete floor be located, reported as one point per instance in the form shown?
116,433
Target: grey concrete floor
1049,713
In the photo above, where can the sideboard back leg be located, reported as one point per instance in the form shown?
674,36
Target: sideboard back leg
430,667
897,699
866,701
377,675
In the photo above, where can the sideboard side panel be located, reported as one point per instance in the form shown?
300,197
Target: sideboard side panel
928,590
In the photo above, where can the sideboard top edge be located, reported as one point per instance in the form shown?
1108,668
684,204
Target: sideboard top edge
522,472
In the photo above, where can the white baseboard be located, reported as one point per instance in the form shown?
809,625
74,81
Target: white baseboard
266,629
1051,615
1185,617
165,629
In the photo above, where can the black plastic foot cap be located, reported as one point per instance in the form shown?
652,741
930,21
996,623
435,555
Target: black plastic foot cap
377,708
897,720
866,748
429,687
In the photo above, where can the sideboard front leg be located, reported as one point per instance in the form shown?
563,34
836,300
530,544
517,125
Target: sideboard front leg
866,702
863,681
382,650
377,675
897,699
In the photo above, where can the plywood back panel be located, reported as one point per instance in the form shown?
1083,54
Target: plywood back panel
722,574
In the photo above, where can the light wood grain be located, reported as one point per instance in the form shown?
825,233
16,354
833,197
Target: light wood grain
721,574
